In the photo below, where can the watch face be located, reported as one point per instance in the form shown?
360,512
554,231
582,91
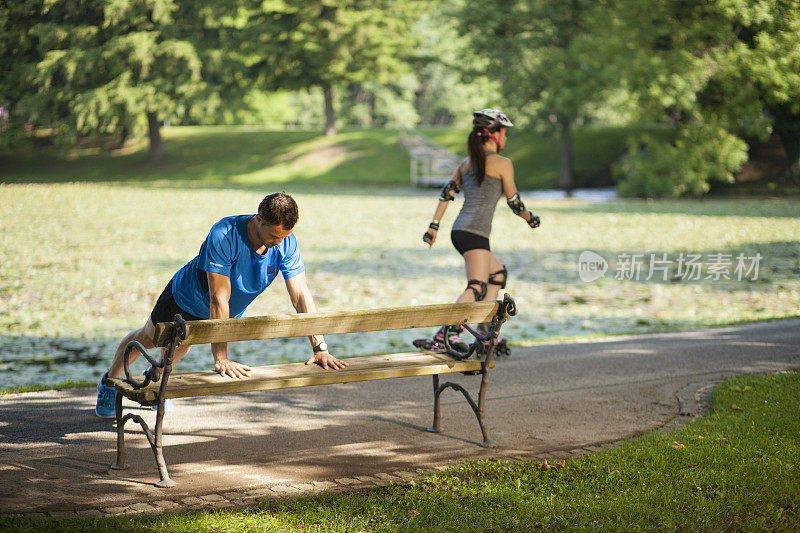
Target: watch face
322,347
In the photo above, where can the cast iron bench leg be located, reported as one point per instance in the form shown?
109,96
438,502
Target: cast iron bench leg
436,428
120,463
477,409
165,482
153,439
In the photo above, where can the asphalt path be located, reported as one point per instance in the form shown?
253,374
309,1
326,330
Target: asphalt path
554,397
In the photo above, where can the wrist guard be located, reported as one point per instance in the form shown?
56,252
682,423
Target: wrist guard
516,205
428,237
534,222
446,196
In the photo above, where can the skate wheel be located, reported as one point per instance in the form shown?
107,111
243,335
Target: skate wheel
422,344
502,349
425,345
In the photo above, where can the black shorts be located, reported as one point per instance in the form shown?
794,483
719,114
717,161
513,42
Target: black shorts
464,241
166,308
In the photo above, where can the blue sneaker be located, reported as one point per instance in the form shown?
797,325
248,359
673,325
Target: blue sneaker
106,400
168,406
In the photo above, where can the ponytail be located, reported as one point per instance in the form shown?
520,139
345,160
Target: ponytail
477,156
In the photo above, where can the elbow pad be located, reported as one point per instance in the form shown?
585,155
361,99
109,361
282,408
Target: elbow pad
516,205
446,196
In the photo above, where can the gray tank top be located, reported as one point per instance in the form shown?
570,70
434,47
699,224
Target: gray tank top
480,202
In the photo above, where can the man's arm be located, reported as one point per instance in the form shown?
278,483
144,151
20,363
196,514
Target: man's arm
219,288
303,302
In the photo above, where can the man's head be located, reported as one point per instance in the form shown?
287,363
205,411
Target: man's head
279,209
277,215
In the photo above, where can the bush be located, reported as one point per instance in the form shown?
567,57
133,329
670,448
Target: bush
655,168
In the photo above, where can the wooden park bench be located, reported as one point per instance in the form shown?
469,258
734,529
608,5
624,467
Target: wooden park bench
159,382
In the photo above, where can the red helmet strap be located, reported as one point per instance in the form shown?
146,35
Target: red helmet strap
496,140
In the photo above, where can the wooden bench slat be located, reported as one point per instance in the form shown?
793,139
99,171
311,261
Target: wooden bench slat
301,325
289,375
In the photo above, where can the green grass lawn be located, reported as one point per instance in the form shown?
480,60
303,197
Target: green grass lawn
228,157
252,157
736,469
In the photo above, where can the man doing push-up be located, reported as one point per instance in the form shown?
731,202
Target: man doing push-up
238,260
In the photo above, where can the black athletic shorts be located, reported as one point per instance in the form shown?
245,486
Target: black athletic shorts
464,241
166,308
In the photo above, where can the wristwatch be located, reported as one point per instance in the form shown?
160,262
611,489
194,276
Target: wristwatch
321,347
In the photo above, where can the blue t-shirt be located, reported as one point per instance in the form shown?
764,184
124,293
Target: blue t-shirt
227,251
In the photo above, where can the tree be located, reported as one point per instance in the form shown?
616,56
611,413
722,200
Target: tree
543,54
19,53
767,54
114,66
371,104
445,67
666,56
326,44
715,71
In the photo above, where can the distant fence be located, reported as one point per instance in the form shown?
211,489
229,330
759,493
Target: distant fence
432,164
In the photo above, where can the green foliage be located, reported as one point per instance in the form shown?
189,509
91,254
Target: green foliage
105,64
658,169
19,52
728,63
768,56
544,54
254,108
450,76
540,52
370,104
325,44
98,67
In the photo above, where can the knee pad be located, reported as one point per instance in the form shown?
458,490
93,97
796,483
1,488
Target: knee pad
494,275
480,294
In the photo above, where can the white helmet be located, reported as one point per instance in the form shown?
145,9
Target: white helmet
490,119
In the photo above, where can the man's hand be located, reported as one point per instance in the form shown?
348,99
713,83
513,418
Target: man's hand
325,360
232,369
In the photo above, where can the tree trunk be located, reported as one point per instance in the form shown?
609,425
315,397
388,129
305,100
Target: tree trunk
328,15
330,114
565,174
156,142
787,126
369,100
361,95
792,146
122,137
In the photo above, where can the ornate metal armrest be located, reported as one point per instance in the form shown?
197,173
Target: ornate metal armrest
152,374
508,308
